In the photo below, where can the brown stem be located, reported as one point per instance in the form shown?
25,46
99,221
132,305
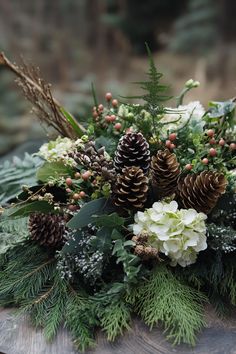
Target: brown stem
20,74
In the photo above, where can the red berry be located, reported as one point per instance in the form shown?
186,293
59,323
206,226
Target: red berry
168,143
232,146
108,119
72,207
172,136
112,118
212,152
76,196
95,114
221,142
108,96
129,130
82,194
212,141
172,146
100,107
114,103
210,133
69,181
117,126
86,175
188,167
77,175
68,190
205,161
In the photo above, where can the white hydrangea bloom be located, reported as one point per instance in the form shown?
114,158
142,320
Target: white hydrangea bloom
181,115
59,149
179,234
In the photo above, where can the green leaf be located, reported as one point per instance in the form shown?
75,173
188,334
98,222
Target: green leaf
16,173
86,213
72,245
53,169
78,130
113,220
219,109
27,209
103,241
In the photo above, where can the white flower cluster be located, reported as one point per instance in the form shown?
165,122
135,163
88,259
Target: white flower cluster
59,150
173,121
179,234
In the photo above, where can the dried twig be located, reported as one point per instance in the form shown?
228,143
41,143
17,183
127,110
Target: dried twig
45,106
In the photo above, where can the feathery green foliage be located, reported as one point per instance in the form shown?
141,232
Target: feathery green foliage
154,96
115,318
80,320
177,306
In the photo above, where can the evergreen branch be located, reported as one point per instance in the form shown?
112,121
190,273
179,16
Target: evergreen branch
80,320
178,307
115,319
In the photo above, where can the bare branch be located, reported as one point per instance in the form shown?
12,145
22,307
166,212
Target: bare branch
45,106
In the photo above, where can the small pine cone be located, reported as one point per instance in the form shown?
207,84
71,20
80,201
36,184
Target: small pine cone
150,252
47,229
140,239
131,189
132,150
165,173
139,250
200,191
95,160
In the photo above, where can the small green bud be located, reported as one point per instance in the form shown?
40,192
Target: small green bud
191,84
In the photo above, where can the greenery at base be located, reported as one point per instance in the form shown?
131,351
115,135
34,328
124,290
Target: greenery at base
30,279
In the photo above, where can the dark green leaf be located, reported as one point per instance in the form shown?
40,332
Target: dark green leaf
27,209
86,213
53,169
103,241
113,220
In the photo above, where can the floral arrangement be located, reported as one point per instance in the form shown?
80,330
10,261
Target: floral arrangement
132,213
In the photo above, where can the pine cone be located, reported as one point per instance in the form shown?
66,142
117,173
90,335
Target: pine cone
200,191
95,160
47,229
165,173
142,249
132,150
131,188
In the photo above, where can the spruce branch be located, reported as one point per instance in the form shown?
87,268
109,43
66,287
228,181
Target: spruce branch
45,106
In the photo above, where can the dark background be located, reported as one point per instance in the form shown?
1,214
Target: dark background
76,42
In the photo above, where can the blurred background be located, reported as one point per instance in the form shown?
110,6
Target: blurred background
76,42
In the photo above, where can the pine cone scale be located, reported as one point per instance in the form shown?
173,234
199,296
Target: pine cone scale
131,188
201,191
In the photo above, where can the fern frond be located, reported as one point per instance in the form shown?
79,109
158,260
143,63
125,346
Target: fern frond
177,306
154,96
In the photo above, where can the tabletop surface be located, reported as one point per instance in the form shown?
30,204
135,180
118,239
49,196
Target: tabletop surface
18,337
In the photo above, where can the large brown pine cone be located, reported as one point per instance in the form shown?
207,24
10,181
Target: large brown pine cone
165,172
131,188
132,150
47,229
200,191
